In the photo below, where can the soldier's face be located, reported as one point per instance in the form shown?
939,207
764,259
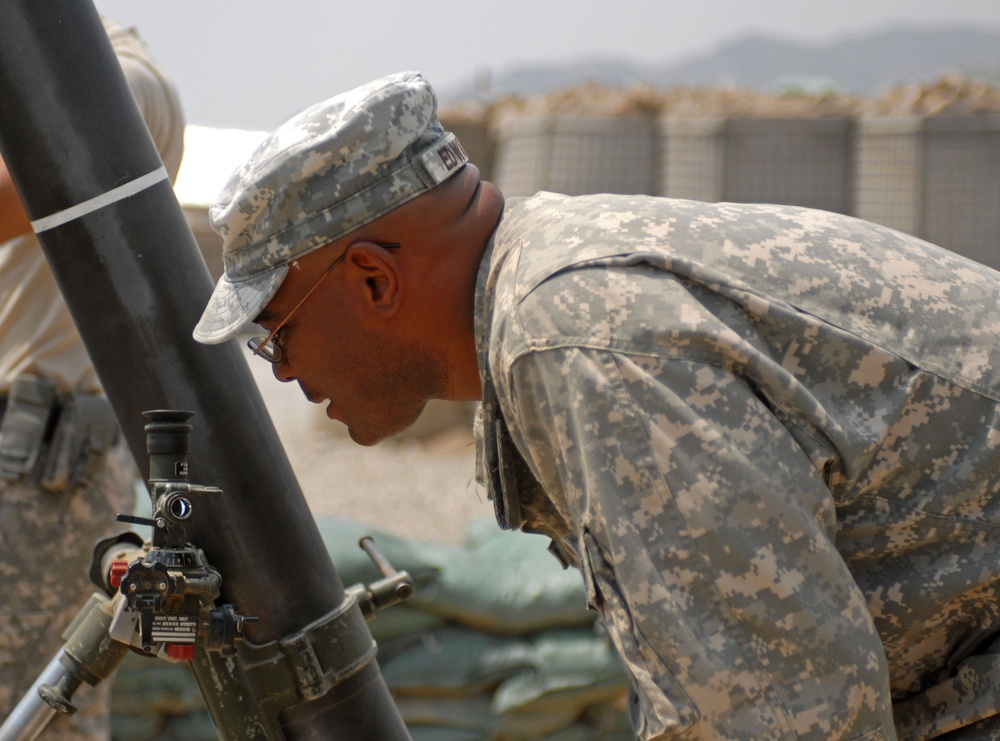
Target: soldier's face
341,355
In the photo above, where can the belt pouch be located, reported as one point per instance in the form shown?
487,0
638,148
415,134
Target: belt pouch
86,430
22,430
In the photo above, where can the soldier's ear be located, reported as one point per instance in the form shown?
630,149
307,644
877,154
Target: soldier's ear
377,276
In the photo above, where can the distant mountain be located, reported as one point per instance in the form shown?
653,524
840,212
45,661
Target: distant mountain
864,66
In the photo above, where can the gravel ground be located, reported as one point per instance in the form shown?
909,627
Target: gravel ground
421,485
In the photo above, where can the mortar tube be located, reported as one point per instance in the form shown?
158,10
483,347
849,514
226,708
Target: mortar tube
135,282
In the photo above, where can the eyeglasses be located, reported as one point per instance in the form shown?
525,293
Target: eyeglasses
269,347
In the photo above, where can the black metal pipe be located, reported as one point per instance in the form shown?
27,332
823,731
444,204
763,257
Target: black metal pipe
136,284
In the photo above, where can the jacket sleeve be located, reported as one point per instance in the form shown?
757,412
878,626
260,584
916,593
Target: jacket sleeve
706,541
154,91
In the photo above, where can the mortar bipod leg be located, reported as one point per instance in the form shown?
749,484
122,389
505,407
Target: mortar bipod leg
88,655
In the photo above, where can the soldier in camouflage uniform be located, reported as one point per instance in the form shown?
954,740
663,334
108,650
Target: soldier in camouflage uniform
65,472
767,436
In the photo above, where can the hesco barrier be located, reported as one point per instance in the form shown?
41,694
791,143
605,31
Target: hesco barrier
936,177
921,159
470,123
797,161
576,155
477,143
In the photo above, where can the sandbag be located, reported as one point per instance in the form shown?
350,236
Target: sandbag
510,584
446,662
503,582
572,669
503,687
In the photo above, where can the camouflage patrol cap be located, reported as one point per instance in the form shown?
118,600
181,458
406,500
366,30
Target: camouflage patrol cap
328,171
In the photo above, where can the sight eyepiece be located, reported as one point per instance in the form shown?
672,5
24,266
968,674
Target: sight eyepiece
168,442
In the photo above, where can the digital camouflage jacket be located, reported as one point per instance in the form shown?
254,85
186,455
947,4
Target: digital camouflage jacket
768,437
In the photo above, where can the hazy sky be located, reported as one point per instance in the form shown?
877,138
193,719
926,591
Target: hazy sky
253,64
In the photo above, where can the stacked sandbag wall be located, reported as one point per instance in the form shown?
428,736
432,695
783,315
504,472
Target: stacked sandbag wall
928,163
497,644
